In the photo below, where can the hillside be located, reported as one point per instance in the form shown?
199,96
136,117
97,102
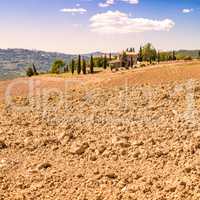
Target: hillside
126,135
185,53
14,62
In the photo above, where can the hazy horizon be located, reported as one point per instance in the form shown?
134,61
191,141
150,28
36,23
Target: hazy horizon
84,26
97,51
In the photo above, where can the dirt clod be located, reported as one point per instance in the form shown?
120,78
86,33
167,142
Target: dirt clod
2,145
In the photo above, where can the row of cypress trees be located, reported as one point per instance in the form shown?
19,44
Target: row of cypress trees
81,65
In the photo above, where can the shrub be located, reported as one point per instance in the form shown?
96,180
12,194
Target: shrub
188,58
29,72
142,65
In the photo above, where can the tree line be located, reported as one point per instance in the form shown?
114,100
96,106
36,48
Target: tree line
80,65
147,53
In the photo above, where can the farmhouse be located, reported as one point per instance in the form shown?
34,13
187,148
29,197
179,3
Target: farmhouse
125,60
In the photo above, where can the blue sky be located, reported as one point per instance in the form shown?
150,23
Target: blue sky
80,26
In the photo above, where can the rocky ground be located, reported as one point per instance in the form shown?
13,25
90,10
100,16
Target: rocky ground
139,142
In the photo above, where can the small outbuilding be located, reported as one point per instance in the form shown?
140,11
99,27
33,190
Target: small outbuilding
115,64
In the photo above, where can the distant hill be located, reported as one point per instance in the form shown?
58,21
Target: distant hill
184,53
14,62
96,54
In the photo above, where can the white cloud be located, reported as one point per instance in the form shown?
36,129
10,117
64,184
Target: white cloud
131,1
120,23
74,10
108,3
187,10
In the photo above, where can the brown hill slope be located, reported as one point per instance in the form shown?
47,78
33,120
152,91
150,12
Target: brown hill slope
107,140
162,73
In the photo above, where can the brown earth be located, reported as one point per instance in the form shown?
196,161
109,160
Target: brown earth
126,135
162,73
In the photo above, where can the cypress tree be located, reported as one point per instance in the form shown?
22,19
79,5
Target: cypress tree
140,56
131,62
105,62
67,68
132,50
124,60
73,65
173,55
158,57
84,67
34,70
110,56
91,64
79,65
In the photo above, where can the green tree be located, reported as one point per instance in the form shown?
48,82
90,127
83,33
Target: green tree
84,66
79,65
165,56
72,66
149,53
105,62
98,62
29,72
199,54
57,65
91,64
